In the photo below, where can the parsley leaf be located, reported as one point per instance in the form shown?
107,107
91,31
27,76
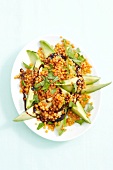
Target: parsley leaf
61,131
51,75
23,83
89,107
39,85
74,88
77,50
27,66
71,104
81,58
50,123
40,126
35,98
80,121
55,79
53,91
46,85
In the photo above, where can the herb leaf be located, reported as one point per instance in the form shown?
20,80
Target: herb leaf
74,88
89,107
53,91
40,125
71,104
80,121
55,79
46,84
81,58
51,75
23,83
27,66
77,50
39,84
50,123
61,131
35,98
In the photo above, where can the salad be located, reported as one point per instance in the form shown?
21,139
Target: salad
56,86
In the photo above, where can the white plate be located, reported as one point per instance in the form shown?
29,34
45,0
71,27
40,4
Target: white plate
72,131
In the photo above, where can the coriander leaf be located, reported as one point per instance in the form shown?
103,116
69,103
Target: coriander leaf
55,79
50,123
61,131
40,126
89,107
81,58
53,91
23,83
45,68
51,76
85,99
46,84
71,104
80,121
35,98
39,84
77,50
27,66
64,122
74,88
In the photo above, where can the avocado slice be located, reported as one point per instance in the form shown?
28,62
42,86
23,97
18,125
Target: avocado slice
60,129
26,115
90,79
78,109
94,87
29,114
34,58
47,48
29,100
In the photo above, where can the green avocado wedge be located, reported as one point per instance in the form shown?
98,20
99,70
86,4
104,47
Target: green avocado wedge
67,85
29,98
47,48
94,87
33,56
78,109
26,115
90,79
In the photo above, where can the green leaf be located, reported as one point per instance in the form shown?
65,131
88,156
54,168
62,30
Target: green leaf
74,88
23,83
77,50
46,84
35,98
51,76
50,123
39,84
64,122
61,131
71,104
53,91
85,99
40,126
81,58
89,107
55,79
80,121
27,66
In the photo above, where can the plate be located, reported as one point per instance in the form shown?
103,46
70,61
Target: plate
72,131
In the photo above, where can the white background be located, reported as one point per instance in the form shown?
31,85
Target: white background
90,24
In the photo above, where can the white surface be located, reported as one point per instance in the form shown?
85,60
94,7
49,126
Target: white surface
90,24
73,131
